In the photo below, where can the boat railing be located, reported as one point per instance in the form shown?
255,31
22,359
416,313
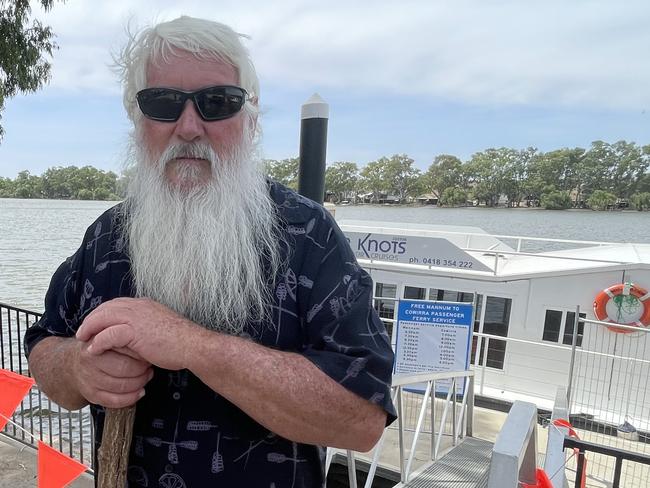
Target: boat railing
455,421
37,417
468,235
619,455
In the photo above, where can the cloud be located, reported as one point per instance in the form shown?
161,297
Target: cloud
483,52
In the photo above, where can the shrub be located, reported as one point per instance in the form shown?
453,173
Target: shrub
556,200
601,199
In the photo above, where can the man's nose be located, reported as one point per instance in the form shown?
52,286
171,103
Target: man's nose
189,126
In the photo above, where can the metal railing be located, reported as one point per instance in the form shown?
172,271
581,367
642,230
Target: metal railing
38,417
459,408
619,455
548,244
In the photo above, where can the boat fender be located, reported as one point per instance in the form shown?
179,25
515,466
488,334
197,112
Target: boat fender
622,290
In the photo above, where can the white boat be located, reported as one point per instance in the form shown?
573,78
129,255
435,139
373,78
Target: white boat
527,292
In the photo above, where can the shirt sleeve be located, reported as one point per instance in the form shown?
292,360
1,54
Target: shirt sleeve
345,337
64,299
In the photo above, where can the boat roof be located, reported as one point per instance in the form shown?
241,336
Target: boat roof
577,257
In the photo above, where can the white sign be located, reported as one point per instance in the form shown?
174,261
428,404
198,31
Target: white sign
433,337
430,251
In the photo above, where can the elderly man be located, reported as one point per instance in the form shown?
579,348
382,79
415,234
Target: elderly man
227,307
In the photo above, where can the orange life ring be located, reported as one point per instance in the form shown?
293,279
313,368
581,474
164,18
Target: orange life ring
622,290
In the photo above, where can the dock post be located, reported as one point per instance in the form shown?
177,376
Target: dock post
313,148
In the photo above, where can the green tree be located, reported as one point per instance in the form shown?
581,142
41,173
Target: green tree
341,179
27,185
601,199
630,163
556,200
557,168
485,172
445,172
373,178
402,178
514,172
6,188
453,196
284,171
641,201
24,45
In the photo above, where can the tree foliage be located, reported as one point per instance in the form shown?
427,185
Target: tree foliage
641,201
284,171
341,180
453,196
446,171
601,200
601,176
24,47
67,183
556,200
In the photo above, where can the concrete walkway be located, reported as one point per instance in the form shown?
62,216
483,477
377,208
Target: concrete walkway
18,466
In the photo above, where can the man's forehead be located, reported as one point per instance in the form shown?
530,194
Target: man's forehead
190,71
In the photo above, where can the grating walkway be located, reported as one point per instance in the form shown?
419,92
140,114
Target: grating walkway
465,466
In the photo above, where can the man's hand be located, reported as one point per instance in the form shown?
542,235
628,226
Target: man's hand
110,379
143,328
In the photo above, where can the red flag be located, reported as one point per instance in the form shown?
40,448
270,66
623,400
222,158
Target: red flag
56,470
14,387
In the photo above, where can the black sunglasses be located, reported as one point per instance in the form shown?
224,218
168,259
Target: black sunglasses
212,103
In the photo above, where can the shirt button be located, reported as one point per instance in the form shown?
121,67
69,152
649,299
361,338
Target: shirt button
169,468
176,395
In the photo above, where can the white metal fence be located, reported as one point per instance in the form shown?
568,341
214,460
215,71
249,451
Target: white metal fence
609,397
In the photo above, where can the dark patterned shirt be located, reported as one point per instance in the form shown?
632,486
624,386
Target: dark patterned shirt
185,434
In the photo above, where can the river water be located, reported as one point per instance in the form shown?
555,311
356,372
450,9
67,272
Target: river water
37,235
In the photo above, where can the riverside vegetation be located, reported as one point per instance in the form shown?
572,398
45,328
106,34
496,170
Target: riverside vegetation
602,177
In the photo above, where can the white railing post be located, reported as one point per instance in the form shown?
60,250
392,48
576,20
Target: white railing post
555,460
400,423
352,469
515,450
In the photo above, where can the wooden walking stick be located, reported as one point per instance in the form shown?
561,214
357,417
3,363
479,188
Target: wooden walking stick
113,456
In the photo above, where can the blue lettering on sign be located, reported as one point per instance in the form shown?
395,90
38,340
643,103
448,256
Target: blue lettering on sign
368,245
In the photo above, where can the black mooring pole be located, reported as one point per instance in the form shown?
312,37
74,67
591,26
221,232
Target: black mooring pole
313,148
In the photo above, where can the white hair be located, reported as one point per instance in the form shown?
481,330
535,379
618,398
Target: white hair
205,39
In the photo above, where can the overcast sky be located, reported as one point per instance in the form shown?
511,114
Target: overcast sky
417,77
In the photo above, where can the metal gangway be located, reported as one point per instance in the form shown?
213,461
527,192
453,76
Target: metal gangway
466,461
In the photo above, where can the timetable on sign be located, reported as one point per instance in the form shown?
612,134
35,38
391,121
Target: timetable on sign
433,337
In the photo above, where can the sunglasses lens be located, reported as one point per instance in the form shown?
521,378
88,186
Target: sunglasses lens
161,103
220,102
214,103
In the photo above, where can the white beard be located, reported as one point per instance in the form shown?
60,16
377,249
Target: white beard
210,252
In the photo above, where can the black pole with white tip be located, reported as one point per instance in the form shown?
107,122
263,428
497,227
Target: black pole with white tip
313,148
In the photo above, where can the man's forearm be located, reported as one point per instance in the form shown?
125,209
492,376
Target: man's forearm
285,392
52,364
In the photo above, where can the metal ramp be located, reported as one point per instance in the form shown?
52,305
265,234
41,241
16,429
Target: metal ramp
466,466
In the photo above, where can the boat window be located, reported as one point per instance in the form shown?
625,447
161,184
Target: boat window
553,328
496,322
568,328
386,308
385,290
450,295
552,325
413,293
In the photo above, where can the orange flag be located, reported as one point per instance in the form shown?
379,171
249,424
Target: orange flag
14,387
56,470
